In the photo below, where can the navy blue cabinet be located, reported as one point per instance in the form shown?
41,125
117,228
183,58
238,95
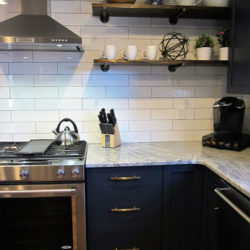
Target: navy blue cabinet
239,56
160,208
182,207
124,208
210,210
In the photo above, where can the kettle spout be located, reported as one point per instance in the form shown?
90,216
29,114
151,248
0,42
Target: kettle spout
55,132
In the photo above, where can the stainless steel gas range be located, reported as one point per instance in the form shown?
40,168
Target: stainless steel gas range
42,197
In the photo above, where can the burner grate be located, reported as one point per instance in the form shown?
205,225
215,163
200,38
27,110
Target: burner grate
10,149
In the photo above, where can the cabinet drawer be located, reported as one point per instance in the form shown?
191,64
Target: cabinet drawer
124,177
140,207
124,239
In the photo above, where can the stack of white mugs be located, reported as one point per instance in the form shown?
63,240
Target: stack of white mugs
130,53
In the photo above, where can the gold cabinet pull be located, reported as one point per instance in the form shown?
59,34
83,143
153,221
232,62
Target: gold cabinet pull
134,248
131,178
125,210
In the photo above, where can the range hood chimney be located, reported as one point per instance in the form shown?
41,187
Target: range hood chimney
34,29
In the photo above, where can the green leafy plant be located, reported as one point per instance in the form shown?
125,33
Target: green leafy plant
204,41
223,38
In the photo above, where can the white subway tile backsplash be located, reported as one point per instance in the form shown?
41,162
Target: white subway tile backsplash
57,80
150,103
58,104
172,92
4,68
34,116
172,136
16,104
104,32
4,92
66,6
105,80
150,80
135,136
128,92
153,125
38,89
115,103
80,115
5,116
34,92
80,92
169,114
19,127
16,80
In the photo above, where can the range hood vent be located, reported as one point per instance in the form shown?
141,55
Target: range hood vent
34,29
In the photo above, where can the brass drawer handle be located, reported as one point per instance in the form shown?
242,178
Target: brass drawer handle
132,178
125,210
134,248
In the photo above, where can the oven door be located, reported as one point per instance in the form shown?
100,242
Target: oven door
42,217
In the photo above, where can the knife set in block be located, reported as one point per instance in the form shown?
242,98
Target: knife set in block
110,137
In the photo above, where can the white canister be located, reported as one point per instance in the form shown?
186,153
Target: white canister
130,52
204,53
224,53
216,3
150,53
109,52
186,2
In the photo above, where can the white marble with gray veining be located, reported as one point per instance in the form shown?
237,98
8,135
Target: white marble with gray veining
234,167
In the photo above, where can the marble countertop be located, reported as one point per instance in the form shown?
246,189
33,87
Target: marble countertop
234,167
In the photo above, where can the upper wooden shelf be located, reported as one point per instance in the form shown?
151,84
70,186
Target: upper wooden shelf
104,10
172,64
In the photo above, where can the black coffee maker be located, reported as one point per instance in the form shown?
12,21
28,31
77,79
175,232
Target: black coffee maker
228,117
228,123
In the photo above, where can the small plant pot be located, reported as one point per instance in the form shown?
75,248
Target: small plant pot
224,53
185,2
204,53
216,3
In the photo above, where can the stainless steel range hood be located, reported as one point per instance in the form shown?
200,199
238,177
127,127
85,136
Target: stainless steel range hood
34,29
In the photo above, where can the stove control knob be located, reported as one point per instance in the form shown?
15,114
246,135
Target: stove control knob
75,172
60,173
24,173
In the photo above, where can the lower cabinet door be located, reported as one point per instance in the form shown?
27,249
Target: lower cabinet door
133,239
182,207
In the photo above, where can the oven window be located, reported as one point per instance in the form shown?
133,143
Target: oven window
36,223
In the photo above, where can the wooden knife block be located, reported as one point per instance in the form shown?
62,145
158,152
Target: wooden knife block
111,141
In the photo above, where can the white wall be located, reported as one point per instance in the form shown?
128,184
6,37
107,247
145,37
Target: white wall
37,89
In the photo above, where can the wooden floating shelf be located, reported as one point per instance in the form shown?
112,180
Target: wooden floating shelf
104,10
172,65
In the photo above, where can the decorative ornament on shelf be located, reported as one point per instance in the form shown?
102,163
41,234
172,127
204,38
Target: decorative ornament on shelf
174,46
204,45
223,39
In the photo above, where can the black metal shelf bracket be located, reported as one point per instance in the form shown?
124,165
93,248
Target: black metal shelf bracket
172,68
174,18
104,17
105,67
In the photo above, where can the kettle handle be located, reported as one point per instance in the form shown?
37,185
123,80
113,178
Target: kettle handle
66,120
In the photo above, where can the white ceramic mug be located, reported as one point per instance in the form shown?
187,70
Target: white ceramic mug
150,53
130,53
109,52
187,2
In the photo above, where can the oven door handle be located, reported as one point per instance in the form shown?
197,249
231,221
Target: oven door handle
37,193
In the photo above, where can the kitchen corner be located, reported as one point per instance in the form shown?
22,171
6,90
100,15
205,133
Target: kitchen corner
233,167
150,105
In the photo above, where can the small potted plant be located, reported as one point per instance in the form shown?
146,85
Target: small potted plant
223,39
216,3
204,45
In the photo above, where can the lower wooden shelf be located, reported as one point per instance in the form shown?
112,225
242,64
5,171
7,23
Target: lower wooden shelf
171,64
